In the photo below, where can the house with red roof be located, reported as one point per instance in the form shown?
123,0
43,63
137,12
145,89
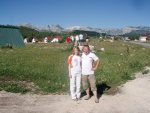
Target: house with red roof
47,39
56,39
35,40
143,37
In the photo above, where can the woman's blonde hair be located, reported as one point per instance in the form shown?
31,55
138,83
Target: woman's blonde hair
75,47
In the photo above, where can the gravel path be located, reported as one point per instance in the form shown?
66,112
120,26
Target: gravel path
143,44
133,97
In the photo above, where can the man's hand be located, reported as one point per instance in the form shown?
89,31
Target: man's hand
94,68
97,64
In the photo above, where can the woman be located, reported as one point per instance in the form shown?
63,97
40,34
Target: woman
74,68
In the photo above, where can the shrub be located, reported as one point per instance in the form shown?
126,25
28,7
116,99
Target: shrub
7,47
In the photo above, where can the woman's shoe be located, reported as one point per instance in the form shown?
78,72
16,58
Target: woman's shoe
75,99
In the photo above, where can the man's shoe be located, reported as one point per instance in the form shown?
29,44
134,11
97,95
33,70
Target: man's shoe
96,100
86,98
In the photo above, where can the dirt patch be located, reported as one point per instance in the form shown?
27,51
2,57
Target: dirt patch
7,78
23,84
113,91
134,97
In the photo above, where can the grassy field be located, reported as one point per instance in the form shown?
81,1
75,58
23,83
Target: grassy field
42,68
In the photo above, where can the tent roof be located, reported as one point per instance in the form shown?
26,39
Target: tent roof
10,35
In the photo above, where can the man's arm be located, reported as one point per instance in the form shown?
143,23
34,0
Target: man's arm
97,64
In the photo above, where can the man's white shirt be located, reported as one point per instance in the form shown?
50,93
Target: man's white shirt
87,63
81,37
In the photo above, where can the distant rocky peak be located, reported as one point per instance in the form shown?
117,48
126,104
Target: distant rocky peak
111,31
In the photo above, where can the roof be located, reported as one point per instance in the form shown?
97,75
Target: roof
10,35
8,26
36,39
144,35
26,38
58,37
49,38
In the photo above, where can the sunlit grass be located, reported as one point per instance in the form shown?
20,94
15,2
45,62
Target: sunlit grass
46,64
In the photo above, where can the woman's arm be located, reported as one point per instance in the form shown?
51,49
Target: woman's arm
69,70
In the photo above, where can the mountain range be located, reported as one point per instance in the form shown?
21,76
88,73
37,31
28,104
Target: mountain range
110,31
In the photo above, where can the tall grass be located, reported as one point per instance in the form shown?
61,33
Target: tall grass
120,61
45,65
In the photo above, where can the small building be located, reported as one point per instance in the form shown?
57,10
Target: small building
126,38
56,39
10,35
143,37
47,39
26,40
34,40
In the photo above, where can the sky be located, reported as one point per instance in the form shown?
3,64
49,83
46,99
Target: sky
66,13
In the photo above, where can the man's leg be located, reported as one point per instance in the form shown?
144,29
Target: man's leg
85,85
95,94
87,94
92,81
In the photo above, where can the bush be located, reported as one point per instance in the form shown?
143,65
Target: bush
12,87
145,71
136,65
7,47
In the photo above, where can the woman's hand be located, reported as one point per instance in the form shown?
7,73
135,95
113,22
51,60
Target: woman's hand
70,75
71,66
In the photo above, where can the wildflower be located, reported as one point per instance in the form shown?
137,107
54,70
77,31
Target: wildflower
102,49
131,54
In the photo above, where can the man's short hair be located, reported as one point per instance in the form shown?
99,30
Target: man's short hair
86,46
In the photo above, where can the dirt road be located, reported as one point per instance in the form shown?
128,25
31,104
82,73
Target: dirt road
141,43
134,97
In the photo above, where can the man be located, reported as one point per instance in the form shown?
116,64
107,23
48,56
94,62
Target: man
80,39
88,69
68,40
87,40
76,40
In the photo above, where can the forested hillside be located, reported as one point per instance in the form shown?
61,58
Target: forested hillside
30,33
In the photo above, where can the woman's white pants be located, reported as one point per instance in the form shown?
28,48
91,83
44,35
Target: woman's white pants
75,84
